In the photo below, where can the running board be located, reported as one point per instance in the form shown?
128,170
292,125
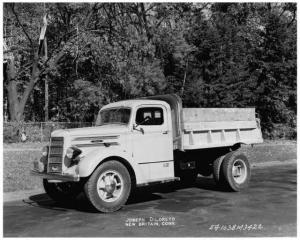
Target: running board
159,181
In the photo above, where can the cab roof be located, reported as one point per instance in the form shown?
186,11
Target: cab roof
133,103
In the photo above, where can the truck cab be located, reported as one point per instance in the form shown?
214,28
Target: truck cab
145,141
148,140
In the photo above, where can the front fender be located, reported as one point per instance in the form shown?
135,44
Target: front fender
92,159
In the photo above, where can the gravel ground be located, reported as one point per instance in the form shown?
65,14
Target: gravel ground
268,208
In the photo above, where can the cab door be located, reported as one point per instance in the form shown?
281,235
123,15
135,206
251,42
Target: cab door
152,143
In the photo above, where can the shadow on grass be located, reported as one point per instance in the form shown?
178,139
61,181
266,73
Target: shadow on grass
139,195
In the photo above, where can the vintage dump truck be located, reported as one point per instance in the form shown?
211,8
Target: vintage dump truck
144,141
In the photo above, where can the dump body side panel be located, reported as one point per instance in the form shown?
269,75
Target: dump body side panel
219,127
218,114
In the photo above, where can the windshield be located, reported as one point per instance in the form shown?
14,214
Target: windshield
113,116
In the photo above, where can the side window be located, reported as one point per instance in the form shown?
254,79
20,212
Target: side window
149,116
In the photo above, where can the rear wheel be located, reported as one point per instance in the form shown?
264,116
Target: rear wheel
62,191
236,171
217,169
109,186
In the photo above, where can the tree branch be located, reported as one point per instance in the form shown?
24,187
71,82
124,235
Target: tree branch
90,14
17,18
293,19
24,69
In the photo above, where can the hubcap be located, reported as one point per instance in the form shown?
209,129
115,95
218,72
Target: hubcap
239,171
110,186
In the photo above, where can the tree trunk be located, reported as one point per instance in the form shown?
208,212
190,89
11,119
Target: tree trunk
12,91
16,103
46,100
46,81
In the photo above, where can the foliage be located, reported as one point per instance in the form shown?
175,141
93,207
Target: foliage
36,131
211,54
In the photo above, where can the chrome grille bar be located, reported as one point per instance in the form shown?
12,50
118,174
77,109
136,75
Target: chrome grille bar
55,157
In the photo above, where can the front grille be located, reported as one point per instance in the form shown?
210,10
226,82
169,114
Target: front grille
55,156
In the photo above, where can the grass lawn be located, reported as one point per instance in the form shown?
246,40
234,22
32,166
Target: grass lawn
16,174
18,158
272,151
26,145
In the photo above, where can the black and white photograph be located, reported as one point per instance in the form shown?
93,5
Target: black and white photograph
149,119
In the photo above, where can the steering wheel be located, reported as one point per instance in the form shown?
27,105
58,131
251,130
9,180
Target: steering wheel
146,119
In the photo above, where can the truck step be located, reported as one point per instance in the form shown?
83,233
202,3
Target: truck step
159,181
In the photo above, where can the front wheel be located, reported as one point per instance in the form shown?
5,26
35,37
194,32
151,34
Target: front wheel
109,187
62,191
236,171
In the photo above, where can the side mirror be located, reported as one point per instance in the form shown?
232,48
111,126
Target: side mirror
138,129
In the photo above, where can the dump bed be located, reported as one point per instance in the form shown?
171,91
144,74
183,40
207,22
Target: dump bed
218,127
196,128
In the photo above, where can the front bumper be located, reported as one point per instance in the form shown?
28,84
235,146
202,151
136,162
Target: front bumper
50,176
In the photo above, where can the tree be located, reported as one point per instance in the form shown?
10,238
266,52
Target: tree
24,68
212,54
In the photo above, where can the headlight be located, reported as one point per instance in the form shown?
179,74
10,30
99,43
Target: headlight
45,151
70,152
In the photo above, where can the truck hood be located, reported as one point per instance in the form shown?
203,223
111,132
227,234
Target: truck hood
91,131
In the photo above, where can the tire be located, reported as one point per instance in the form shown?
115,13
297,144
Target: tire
109,187
205,170
62,192
235,163
217,169
188,178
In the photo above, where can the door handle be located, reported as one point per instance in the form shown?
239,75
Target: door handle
97,141
165,132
